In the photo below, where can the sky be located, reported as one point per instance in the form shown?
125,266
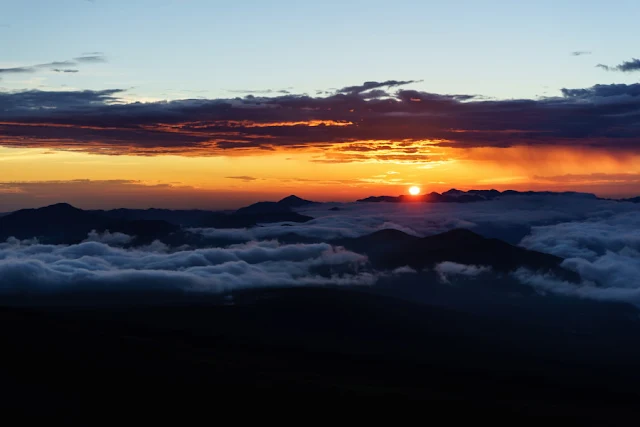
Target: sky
209,104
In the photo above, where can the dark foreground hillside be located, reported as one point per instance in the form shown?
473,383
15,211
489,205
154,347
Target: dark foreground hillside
316,350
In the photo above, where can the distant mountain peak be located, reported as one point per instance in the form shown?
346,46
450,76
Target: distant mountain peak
453,192
291,198
60,207
295,201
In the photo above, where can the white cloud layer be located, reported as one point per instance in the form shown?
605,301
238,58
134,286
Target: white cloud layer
604,250
33,267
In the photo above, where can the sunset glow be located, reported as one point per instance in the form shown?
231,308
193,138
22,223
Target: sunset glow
91,122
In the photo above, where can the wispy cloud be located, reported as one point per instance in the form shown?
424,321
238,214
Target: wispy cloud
91,59
54,66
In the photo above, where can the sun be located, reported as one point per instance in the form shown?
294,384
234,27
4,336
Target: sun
414,191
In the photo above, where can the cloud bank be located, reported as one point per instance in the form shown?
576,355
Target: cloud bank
599,239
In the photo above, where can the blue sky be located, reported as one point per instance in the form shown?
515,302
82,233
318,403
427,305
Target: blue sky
168,49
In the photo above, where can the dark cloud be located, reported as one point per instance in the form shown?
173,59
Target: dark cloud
625,67
603,116
18,103
64,70
581,52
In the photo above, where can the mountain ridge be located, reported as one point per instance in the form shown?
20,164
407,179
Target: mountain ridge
458,196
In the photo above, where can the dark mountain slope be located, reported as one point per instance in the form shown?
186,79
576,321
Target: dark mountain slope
183,218
311,345
392,249
56,223
261,212
63,223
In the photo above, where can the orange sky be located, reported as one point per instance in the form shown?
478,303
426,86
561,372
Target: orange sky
33,177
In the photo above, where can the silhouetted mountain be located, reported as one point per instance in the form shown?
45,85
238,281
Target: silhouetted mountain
252,216
377,199
295,202
264,208
63,223
632,200
458,196
549,193
144,231
184,218
56,223
258,213
392,248
487,194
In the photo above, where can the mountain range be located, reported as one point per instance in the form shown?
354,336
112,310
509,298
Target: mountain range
63,223
459,196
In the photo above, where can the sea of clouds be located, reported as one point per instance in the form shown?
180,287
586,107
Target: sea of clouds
27,266
599,239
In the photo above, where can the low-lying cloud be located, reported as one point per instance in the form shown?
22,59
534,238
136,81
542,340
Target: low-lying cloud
28,267
604,250
447,269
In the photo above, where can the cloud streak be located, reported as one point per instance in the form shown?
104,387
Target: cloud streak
55,66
